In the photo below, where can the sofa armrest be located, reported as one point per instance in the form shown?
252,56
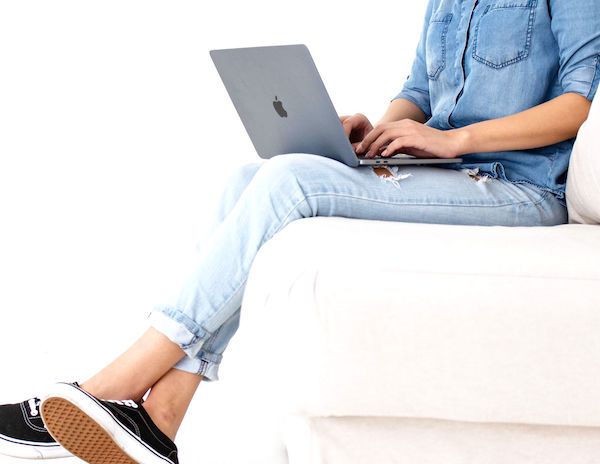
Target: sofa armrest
583,181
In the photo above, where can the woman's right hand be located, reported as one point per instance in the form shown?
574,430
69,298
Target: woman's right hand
356,128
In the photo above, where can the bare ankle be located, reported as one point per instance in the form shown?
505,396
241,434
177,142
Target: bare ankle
165,419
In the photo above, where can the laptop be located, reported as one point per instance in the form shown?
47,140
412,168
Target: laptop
285,108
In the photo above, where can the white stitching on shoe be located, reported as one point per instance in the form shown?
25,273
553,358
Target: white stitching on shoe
29,423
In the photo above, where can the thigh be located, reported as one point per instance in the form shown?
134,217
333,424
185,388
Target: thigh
417,194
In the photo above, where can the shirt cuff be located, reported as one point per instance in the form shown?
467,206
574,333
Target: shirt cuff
583,80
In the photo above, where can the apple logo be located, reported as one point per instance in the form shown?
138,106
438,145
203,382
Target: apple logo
278,105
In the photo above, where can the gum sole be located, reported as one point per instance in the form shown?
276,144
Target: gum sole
81,435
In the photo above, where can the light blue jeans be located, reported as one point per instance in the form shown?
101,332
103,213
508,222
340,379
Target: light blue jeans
262,198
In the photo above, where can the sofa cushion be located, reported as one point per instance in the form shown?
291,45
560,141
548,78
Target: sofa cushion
583,182
484,324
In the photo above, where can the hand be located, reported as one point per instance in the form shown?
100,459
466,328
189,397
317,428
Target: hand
410,137
356,127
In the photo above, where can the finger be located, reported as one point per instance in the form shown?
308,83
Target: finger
348,127
400,144
406,145
346,124
384,139
370,138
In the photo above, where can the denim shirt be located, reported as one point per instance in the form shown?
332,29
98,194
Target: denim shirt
485,59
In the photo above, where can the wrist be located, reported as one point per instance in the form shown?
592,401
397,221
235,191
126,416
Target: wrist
462,141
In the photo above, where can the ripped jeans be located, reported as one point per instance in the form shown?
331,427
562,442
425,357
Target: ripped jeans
262,198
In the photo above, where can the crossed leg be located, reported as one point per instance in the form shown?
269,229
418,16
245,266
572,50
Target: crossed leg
148,365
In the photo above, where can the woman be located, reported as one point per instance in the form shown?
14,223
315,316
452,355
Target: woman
505,84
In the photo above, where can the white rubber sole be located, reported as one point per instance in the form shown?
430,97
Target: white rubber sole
27,450
84,427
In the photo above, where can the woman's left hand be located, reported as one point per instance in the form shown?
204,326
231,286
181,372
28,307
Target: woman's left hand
410,137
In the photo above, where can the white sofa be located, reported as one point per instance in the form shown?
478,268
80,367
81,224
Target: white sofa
445,344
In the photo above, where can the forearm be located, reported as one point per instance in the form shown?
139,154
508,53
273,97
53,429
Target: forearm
402,109
543,125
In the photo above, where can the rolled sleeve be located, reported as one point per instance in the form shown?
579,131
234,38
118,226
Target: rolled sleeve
416,88
576,27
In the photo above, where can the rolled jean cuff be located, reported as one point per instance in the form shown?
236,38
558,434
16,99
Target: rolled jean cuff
208,369
180,329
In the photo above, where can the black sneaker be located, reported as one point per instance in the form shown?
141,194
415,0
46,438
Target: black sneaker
23,435
102,431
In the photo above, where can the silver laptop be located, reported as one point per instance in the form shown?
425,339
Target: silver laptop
281,99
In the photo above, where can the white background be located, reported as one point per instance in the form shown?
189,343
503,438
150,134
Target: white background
109,113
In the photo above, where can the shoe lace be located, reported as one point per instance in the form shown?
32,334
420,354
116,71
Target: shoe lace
34,404
130,403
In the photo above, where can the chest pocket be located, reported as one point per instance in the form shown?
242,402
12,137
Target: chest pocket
436,44
503,33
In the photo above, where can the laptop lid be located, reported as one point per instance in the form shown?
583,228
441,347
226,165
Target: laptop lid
282,102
